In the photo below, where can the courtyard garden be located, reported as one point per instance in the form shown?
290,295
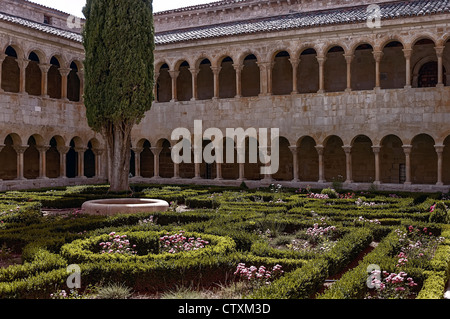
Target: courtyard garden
226,242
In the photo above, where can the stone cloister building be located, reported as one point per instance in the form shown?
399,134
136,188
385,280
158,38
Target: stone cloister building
356,101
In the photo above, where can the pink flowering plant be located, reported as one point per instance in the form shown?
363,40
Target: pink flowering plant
256,277
117,244
178,242
392,285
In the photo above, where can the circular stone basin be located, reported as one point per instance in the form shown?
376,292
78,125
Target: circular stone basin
123,206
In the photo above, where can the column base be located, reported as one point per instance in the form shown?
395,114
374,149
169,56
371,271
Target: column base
439,184
175,177
155,177
197,177
407,183
42,177
295,180
218,179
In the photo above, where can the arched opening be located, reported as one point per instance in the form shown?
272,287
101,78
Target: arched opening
184,83
89,161
308,72
8,160
428,75
227,79
230,169
147,161
334,159
392,160
308,160
282,74
335,70
363,68
250,77
208,170
205,81
363,160
54,79
446,161
72,161
252,163
31,160
164,84
393,66
285,169
53,159
187,170
33,75
423,160
165,160
10,71
73,84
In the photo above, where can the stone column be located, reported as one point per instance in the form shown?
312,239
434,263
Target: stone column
267,151
378,55
407,151
294,151
20,149
238,68
321,61
439,54
265,81
348,163
216,73
218,171
156,151
197,171
62,160
320,150
44,79
43,160
23,63
376,150
64,74
349,59
98,162
137,160
439,150
176,171
80,151
294,63
2,58
194,73
407,53
240,150
174,76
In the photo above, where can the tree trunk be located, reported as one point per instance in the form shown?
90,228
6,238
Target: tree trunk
118,144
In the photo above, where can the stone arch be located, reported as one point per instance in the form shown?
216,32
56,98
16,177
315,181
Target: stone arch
363,159
282,73
393,66
73,82
53,157
227,77
423,160
363,67
308,71
8,157
184,82
285,170
33,74
335,70
163,84
392,160
54,78
10,70
90,159
147,159
166,165
250,76
205,79
334,159
308,159
230,169
31,158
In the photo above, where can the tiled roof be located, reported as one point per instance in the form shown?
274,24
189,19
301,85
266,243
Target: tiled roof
41,27
304,20
278,23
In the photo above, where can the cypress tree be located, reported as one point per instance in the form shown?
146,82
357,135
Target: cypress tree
118,38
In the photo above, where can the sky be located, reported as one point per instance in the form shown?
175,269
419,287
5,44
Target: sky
74,7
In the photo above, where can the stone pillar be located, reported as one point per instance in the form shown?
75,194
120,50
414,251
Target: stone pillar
23,63
20,149
197,171
137,160
349,59
439,54
376,150
294,151
174,76
80,151
348,163
2,58
216,73
44,79
321,61
378,55
238,68
156,151
218,171
194,73
62,160
407,53
265,81
439,150
320,150
64,74
407,151
294,63
98,162
176,171
267,151
43,160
